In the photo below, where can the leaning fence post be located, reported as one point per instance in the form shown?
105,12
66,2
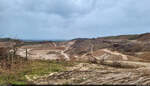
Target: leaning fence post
26,54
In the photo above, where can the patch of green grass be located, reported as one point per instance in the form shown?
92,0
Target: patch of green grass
32,68
45,67
12,79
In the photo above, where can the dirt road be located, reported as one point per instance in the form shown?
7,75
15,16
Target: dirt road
124,57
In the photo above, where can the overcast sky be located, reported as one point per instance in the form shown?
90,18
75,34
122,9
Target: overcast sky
67,19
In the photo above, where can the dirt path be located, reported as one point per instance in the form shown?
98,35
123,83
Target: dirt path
68,46
54,44
138,63
65,55
124,57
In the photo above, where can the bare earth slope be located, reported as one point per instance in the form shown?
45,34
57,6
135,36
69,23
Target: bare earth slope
85,73
109,60
126,72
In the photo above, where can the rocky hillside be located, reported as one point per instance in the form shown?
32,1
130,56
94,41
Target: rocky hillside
134,45
107,60
124,43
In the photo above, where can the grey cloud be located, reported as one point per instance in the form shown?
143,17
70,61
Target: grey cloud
59,7
46,19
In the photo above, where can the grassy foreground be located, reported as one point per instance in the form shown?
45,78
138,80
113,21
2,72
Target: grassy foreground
17,73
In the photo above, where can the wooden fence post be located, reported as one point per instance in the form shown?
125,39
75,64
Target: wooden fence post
26,54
